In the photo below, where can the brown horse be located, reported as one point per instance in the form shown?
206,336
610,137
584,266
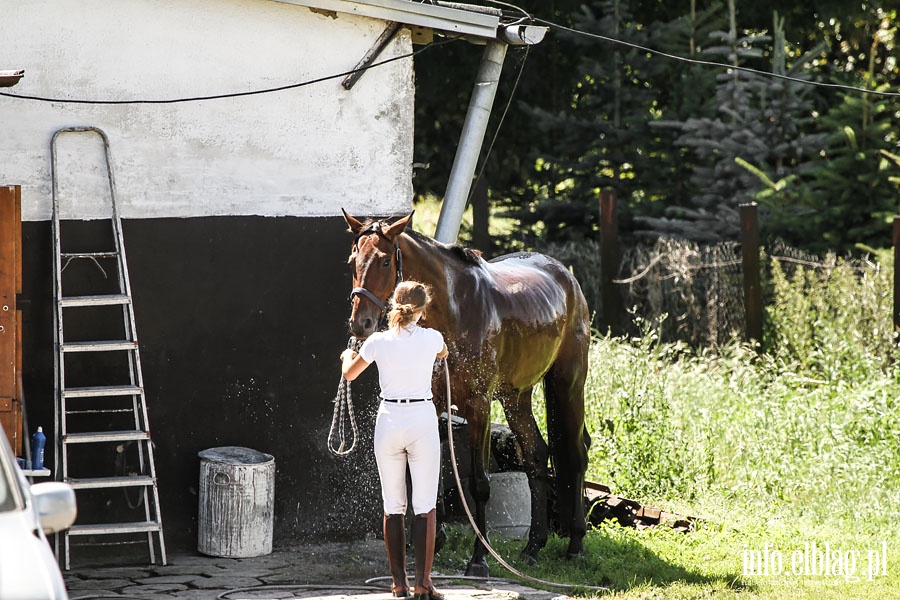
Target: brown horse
508,323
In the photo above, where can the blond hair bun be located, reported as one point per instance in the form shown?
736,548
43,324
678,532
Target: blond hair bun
409,298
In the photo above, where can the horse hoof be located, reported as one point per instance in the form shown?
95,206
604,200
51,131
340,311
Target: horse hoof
575,549
478,570
572,554
528,558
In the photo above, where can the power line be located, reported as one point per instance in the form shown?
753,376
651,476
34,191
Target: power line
512,95
550,24
708,63
232,94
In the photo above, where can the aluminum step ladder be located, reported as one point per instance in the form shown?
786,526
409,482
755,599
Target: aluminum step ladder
100,425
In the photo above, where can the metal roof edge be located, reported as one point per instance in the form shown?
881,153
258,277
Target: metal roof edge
440,18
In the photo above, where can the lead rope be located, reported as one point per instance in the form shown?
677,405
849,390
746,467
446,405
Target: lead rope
465,504
343,414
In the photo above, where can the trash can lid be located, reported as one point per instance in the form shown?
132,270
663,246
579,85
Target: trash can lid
235,455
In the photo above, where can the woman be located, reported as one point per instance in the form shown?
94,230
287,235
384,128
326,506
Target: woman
406,430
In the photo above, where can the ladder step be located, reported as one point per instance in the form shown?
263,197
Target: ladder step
84,483
103,346
106,300
99,411
102,390
110,528
107,254
90,437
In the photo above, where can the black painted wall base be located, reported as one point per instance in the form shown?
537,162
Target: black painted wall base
240,321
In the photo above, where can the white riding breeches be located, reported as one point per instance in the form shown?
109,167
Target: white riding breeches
407,433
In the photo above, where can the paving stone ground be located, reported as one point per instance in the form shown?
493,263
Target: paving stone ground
330,571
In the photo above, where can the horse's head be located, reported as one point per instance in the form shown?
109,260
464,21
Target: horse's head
376,264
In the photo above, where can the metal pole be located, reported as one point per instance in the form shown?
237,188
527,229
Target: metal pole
470,142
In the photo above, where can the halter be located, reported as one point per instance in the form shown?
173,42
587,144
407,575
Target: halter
398,261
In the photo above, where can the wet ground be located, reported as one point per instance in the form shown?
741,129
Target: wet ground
333,571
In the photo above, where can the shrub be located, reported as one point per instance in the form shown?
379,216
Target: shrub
833,318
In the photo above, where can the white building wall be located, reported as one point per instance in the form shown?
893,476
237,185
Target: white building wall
307,151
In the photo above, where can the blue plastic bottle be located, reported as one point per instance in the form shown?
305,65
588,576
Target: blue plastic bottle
37,449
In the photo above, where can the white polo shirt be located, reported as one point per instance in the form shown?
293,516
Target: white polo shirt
405,358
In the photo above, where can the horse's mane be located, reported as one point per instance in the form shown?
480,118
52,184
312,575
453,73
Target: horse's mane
465,255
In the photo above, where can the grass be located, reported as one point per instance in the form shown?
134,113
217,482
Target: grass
779,454
771,462
661,563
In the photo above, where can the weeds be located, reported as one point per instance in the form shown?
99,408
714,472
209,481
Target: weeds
788,449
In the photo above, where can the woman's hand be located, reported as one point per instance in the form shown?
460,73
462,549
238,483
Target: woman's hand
352,364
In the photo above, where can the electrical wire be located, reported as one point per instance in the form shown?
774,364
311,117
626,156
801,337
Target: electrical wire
518,9
233,94
525,16
512,95
557,26
709,63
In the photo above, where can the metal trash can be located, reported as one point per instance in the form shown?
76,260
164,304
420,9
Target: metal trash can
237,494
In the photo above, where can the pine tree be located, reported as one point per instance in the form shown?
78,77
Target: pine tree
605,139
758,135
847,196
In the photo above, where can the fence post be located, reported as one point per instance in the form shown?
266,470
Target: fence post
750,267
611,319
896,273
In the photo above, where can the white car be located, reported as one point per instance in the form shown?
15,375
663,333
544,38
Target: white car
28,569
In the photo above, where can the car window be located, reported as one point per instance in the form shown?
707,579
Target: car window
7,502
9,490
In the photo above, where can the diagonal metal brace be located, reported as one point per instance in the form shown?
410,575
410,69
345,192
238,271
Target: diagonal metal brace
369,57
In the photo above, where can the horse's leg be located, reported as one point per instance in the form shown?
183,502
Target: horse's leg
479,427
534,455
569,443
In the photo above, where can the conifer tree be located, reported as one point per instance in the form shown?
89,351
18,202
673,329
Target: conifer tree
605,139
759,133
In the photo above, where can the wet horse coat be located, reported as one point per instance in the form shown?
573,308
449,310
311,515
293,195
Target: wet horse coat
508,323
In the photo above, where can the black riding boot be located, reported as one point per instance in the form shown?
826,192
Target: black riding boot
423,538
395,544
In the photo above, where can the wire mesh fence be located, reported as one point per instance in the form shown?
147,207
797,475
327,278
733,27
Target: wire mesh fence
687,291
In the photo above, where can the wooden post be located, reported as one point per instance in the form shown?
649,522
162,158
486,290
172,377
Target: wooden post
750,256
10,284
611,318
896,273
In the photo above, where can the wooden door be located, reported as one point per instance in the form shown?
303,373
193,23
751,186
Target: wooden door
10,320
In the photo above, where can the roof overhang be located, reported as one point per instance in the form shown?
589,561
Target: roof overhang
452,19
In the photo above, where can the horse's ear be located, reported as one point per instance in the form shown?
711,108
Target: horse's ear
354,224
397,227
